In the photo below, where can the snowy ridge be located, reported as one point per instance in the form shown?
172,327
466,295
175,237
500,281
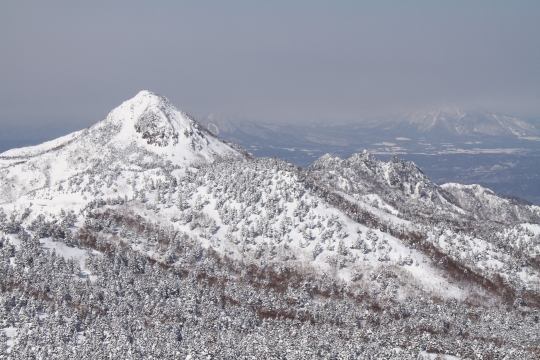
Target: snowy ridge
485,204
399,173
401,186
30,151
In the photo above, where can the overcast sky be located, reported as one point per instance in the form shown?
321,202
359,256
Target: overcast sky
272,61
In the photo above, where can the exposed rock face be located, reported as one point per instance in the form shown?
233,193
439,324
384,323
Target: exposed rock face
154,125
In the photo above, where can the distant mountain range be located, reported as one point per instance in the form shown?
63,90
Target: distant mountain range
446,122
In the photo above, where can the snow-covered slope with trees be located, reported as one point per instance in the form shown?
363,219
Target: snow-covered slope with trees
485,204
146,236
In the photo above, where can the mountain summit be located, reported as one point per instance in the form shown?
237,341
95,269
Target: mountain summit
141,133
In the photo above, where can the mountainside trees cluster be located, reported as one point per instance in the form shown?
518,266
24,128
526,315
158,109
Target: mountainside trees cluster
210,306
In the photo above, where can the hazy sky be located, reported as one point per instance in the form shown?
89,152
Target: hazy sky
273,61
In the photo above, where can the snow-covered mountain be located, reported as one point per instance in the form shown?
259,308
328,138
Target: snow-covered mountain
144,132
148,236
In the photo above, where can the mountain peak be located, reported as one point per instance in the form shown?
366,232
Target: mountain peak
151,117
146,99
151,121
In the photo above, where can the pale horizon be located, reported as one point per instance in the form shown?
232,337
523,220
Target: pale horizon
279,62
